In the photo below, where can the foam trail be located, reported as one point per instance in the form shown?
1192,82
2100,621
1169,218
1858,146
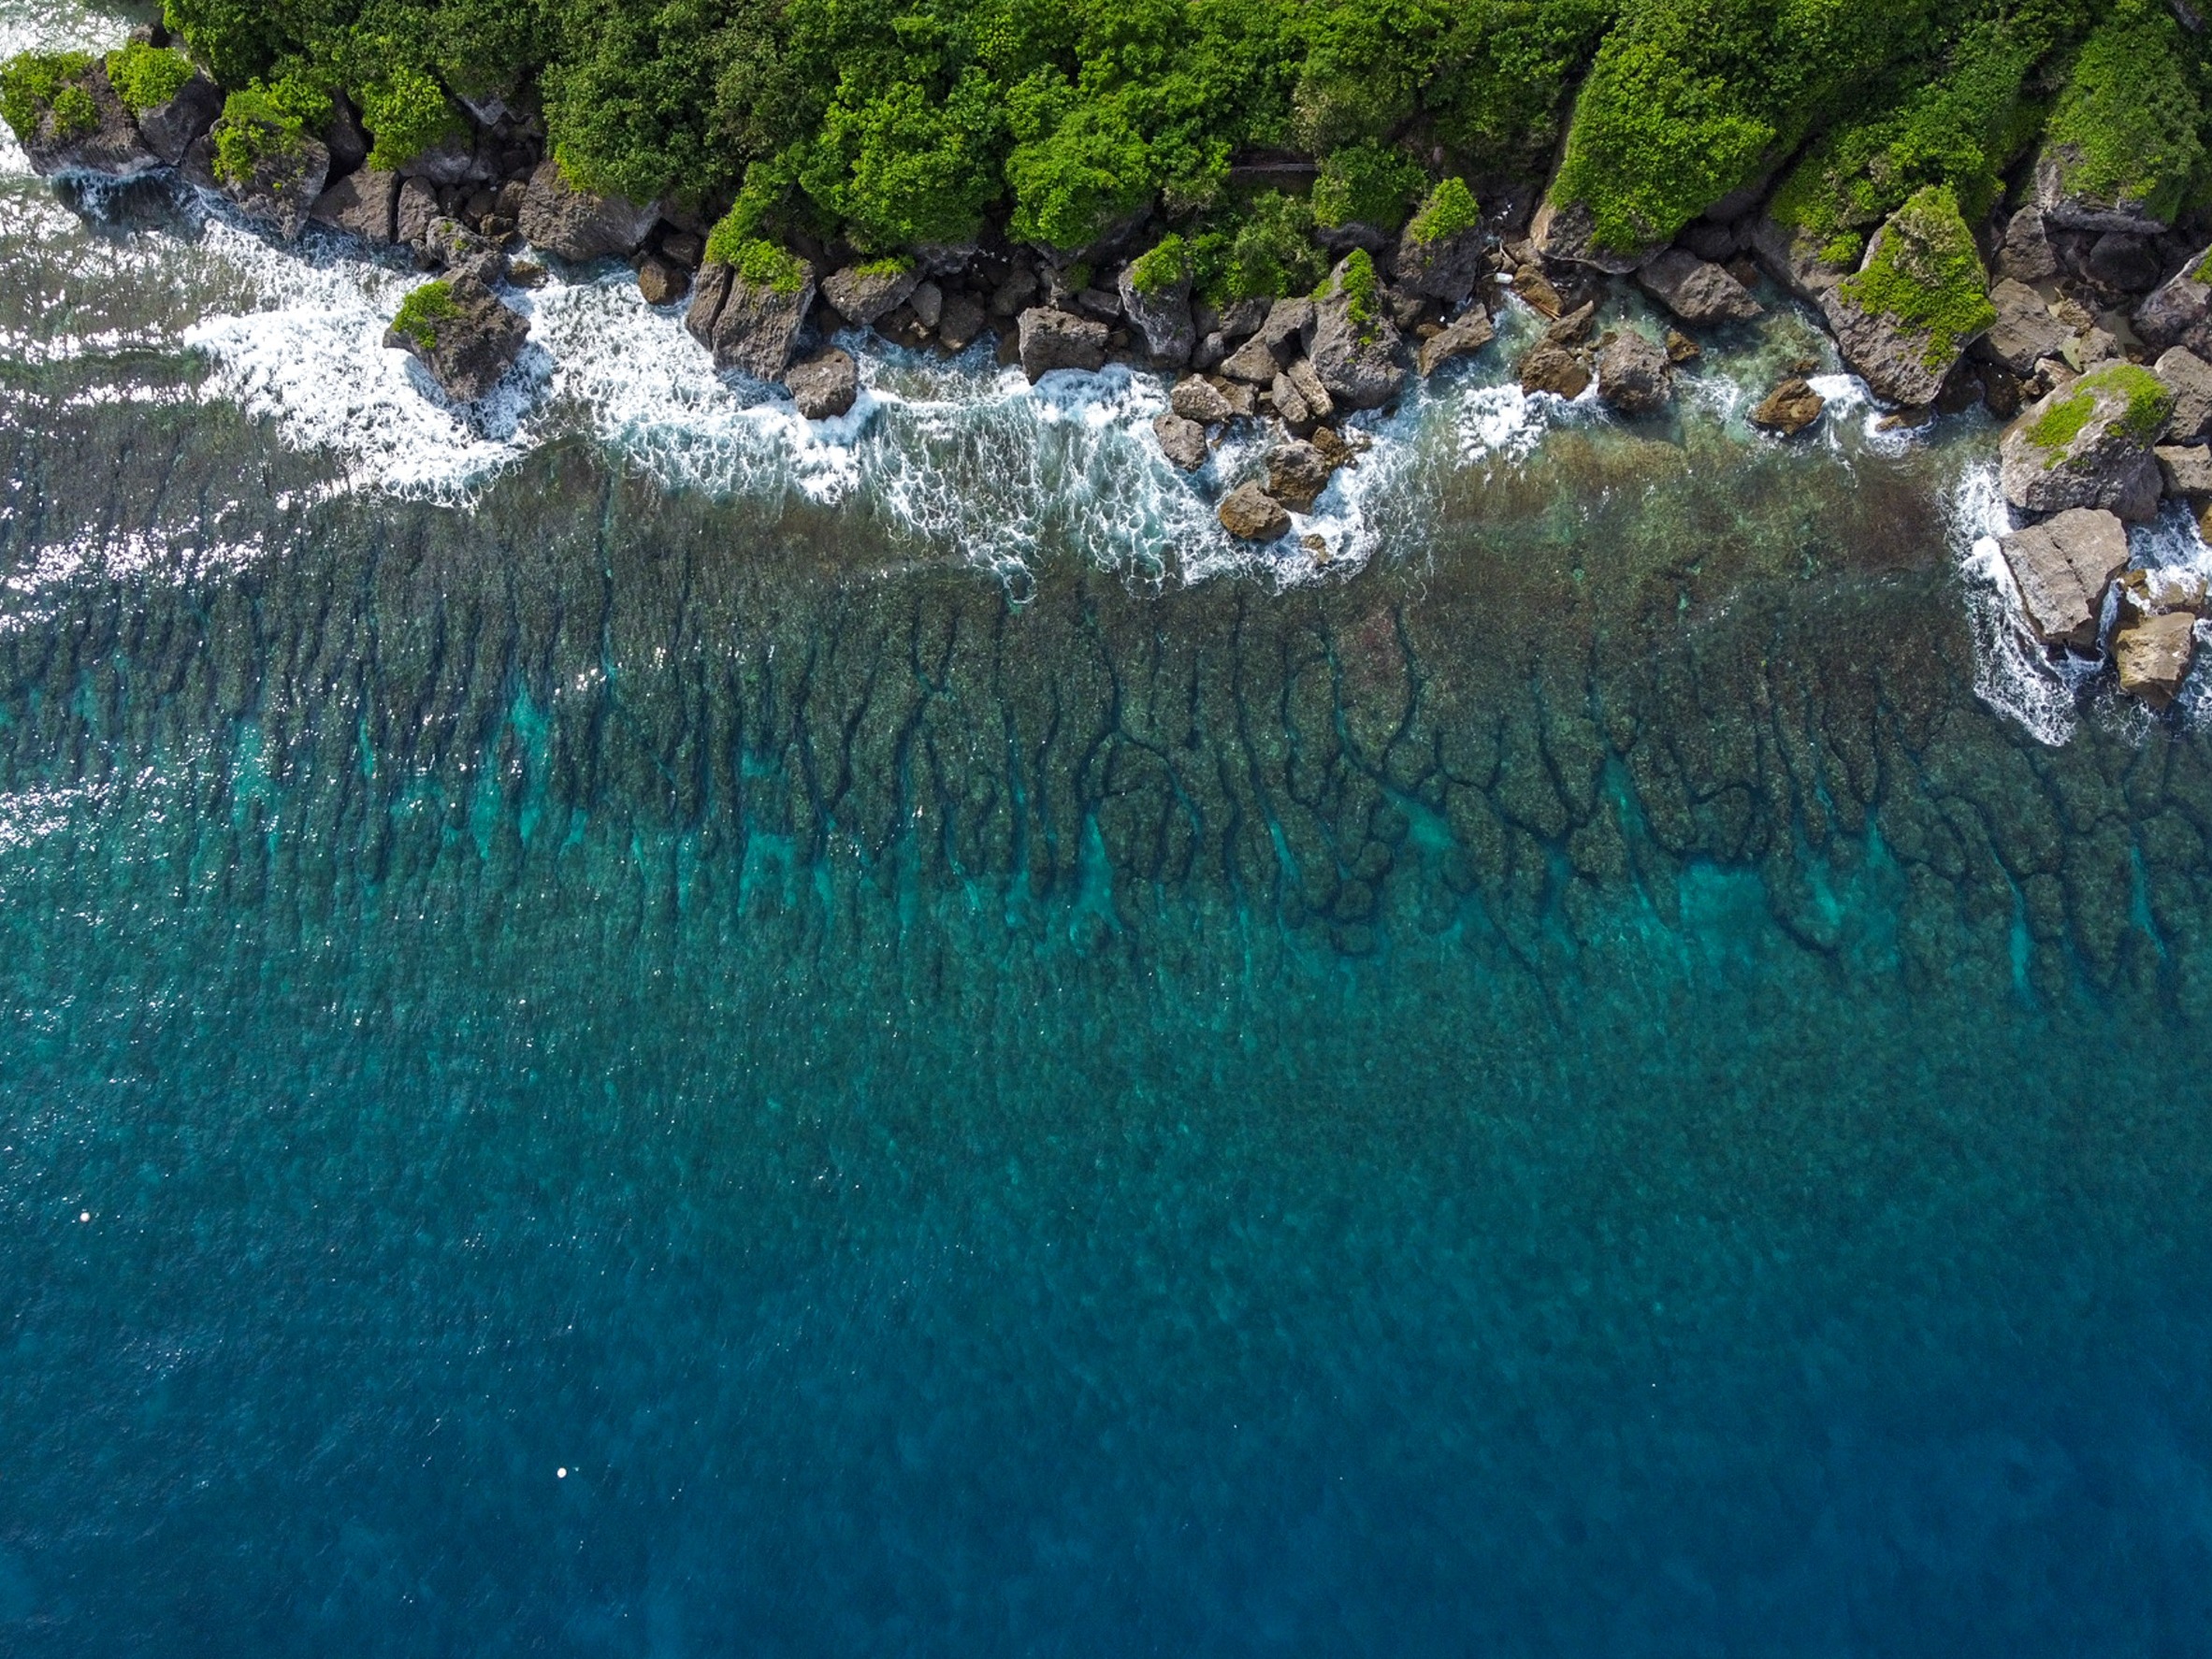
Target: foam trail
2013,673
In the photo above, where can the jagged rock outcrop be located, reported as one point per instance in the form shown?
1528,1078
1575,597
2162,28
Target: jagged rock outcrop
1554,368
1443,266
2067,202
364,204
1354,348
281,187
1698,291
1919,299
460,331
1568,231
1161,315
2062,568
1797,258
1197,398
1053,340
2088,444
1463,337
863,294
172,128
1634,377
1298,473
558,218
826,385
2187,378
85,129
2025,254
1181,440
2179,311
1789,407
1250,514
751,324
2024,333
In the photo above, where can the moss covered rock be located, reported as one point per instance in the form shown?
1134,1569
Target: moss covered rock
1441,253
68,116
2088,444
1355,348
2123,145
1917,302
458,330
748,312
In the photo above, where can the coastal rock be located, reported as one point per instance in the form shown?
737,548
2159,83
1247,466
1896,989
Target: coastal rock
2188,379
1633,374
1796,258
2087,445
172,128
364,204
1311,390
1285,324
458,160
1573,329
1240,319
1536,292
2123,263
1012,295
282,188
2186,471
1464,336
2179,311
86,129
342,136
826,385
1181,440
2025,331
961,322
2152,653
1568,231
1250,514
1698,292
1681,347
1297,473
2062,568
863,294
1789,407
1196,398
577,224
662,282
1290,405
1444,268
412,215
2025,254
2067,203
1361,360
465,337
1555,370
749,327
1052,339
1163,318
452,246
926,302
1254,363
1911,311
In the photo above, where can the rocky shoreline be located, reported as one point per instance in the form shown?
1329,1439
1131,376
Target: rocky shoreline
2084,322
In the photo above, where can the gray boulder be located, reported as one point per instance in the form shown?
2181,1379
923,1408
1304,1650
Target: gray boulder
1568,231
461,333
86,129
343,137
750,326
2124,262
170,129
2152,653
1052,339
458,159
282,188
1698,292
1163,318
1902,359
1445,268
364,204
451,245
2067,203
2025,331
2188,378
961,322
1359,358
1284,325
2087,445
1181,440
1197,398
1794,257
2179,311
576,224
2024,255
926,302
1464,336
863,294
413,211
1249,513
826,385
1291,405
2186,471
1633,374
1297,473
2062,568
1254,363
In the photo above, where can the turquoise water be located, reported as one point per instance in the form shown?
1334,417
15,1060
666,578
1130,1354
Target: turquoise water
622,1064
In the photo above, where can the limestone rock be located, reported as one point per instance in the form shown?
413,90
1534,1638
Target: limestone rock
2153,656
1789,407
926,302
961,322
283,188
2188,378
1568,231
417,205
1163,318
349,145
1013,295
1445,268
471,345
451,245
2087,445
1290,405
1053,340
1573,329
1254,363
1250,514
1181,440
2124,262
863,294
1555,370
1633,374
1297,473
109,144
2062,568
826,385
662,282
1240,319
1681,347
749,327
1795,258
1312,391
560,219
1464,336
2025,331
170,129
2024,255
1284,325
2186,469
1361,360
2179,311
1902,358
1196,398
2066,204
1698,292
364,204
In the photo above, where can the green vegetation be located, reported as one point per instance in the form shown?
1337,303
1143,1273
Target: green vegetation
32,83
409,114
2148,403
146,76
1926,273
264,124
759,263
421,311
1166,267
1362,289
1271,251
1367,184
1449,210
2126,129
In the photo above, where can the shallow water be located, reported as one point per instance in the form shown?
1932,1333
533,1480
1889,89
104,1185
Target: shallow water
648,1031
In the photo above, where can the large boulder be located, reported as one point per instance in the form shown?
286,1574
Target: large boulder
450,246
414,212
750,317
2068,201
1633,374
1355,347
1698,292
1255,363
2188,378
1554,368
364,204
81,127
1297,473
1789,407
1798,259
2179,311
2024,333
2062,568
1464,336
283,185
1569,231
460,158
861,293
1920,298
171,128
578,224
1197,398
1182,441
2088,444
2185,471
2025,254
460,332
1249,513
1051,340
1440,249
2152,653
826,385
1155,296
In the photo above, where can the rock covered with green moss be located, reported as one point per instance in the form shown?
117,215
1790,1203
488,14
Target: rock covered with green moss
2088,444
1354,346
460,332
1440,252
1155,294
749,305
2123,145
172,102
265,156
2179,311
571,223
68,117
1920,298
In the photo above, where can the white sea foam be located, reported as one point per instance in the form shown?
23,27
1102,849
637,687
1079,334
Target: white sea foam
2013,674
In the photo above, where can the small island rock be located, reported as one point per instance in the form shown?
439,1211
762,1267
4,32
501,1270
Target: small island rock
460,331
1250,514
1789,407
2062,568
1052,339
826,385
1633,374
1182,442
